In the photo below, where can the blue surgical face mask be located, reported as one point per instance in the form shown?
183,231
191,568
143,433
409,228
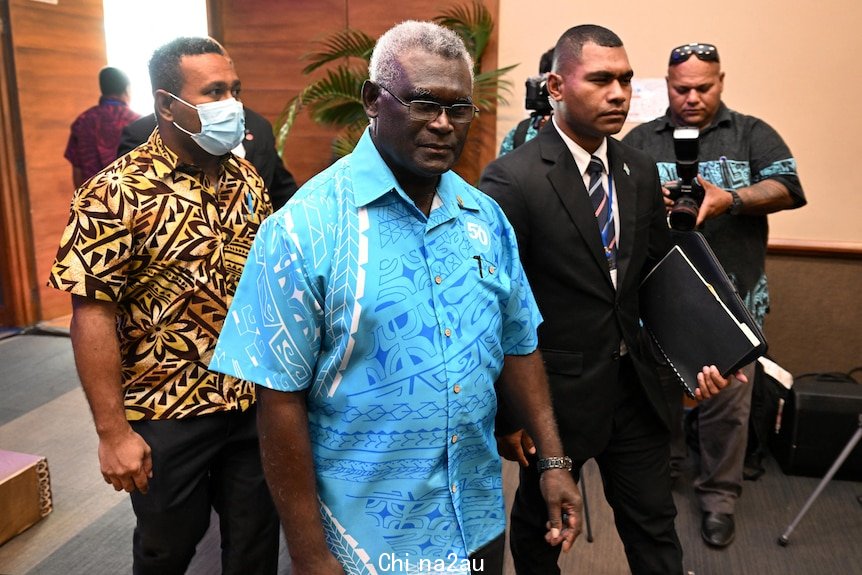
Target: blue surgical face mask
222,125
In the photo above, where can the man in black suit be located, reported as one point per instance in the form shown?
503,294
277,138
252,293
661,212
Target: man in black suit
585,276
258,145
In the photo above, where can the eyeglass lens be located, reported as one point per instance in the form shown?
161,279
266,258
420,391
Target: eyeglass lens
426,111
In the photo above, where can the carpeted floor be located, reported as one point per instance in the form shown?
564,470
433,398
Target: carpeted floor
43,411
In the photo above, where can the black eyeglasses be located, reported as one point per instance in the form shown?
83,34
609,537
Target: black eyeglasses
705,52
426,111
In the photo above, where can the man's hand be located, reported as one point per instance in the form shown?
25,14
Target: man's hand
564,507
516,446
716,201
710,382
126,461
668,203
124,457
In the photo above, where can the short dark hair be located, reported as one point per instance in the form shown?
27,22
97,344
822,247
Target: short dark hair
113,81
546,62
164,64
571,43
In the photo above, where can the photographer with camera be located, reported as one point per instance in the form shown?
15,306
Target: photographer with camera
536,99
745,172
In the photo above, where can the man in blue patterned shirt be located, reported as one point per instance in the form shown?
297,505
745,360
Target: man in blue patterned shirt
747,172
375,314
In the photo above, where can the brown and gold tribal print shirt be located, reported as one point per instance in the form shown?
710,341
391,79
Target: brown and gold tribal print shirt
168,246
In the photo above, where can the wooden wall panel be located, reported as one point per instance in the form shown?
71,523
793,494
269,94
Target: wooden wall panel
58,50
17,305
268,38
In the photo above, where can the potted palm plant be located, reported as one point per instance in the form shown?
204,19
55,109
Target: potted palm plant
334,100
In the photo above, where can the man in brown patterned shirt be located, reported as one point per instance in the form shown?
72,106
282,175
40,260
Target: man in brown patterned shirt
154,248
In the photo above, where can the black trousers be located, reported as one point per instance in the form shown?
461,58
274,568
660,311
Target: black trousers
636,480
199,464
489,559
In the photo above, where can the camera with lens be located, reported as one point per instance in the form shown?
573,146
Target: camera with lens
687,194
537,96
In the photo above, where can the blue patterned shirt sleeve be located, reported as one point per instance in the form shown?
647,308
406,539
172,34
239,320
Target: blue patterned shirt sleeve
275,317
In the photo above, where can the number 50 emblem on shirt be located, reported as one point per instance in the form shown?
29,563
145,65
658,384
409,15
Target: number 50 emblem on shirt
478,234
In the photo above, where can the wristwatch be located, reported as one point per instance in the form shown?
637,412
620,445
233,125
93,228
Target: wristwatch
547,463
735,204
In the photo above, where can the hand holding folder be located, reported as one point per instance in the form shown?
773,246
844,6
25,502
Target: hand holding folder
694,314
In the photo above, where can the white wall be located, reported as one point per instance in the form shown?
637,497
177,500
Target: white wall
794,64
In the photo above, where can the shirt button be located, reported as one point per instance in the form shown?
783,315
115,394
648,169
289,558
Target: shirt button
492,269
457,388
447,332
438,280
454,439
454,488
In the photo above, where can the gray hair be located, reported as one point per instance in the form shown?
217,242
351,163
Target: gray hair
409,35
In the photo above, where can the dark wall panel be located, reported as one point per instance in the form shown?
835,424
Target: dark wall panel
815,320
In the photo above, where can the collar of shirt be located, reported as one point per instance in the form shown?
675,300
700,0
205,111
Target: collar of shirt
373,179
166,162
107,100
581,156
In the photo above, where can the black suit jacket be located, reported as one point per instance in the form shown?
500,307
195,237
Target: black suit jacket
259,144
541,190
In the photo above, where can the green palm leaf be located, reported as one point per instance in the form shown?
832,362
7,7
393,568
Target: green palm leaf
284,122
347,139
473,23
335,99
489,88
347,43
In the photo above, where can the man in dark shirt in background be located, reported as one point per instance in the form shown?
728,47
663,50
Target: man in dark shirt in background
747,172
96,132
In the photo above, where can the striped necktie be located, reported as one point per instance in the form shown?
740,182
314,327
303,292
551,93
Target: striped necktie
602,208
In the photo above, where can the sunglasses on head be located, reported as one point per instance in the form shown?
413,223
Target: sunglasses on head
705,52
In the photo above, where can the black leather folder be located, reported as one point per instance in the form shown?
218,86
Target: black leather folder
695,315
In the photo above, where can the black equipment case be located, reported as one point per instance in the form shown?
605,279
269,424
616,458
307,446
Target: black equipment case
820,415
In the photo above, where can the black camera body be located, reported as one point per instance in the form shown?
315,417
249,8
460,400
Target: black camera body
537,95
687,194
